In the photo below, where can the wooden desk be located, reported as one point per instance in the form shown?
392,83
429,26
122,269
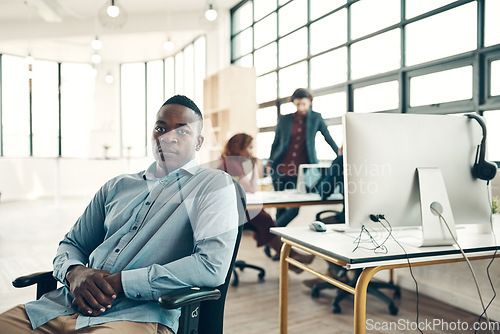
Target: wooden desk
287,199
338,248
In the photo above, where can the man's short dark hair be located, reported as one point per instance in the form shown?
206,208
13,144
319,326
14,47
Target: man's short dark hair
188,103
301,93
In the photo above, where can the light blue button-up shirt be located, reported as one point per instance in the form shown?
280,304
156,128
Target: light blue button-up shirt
162,234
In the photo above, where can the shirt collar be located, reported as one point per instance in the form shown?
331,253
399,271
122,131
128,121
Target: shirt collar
191,167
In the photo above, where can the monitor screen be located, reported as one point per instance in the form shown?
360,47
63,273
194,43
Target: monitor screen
309,176
382,152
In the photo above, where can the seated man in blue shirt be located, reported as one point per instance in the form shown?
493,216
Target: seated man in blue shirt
142,235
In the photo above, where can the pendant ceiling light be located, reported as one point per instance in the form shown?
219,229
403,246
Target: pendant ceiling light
112,15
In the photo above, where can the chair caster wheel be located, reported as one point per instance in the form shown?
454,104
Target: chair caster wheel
315,292
336,309
393,310
261,275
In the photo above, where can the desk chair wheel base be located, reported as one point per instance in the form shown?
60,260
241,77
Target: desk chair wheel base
267,251
242,265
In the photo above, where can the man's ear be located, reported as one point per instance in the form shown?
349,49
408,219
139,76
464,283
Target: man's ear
200,141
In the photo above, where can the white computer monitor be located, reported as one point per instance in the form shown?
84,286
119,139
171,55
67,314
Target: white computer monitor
309,176
382,153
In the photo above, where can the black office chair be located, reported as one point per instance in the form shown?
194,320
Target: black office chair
202,308
338,217
242,265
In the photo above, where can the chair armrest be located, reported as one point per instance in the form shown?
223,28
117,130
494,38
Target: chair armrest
186,296
318,215
40,277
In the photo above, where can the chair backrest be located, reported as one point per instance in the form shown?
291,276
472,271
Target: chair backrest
212,311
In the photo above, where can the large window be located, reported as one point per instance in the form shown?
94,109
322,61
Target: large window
48,109
145,86
15,107
408,56
77,108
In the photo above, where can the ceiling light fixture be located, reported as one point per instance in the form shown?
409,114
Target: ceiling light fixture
211,13
168,45
29,59
109,79
112,15
96,44
96,58
113,10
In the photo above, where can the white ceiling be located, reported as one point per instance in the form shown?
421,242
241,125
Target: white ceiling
149,24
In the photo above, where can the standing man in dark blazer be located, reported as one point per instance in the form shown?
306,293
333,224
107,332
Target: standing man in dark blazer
294,144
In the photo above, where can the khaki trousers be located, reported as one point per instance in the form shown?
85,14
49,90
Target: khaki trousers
15,321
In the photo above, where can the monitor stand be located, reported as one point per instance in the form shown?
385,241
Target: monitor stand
434,199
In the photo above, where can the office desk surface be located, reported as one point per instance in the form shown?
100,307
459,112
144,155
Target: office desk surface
344,246
287,199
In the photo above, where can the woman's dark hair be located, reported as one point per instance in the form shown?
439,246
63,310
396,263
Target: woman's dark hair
237,144
301,93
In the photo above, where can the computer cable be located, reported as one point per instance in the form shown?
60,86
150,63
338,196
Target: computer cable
379,219
443,220
378,248
381,247
492,258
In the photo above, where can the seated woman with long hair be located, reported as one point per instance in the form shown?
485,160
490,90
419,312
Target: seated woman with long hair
239,162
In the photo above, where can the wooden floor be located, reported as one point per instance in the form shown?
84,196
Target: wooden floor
31,230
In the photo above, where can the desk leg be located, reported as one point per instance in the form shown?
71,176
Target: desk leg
283,290
360,299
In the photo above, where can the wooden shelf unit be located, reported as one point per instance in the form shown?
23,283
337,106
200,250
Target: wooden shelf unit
230,107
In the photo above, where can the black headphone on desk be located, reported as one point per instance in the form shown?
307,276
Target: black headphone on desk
482,169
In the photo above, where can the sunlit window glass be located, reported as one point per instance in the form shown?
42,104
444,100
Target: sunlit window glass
265,31
492,118
329,32
189,71
242,17
329,68
77,108
321,7
441,87
263,7
266,87
293,47
242,43
169,77
375,55
323,150
290,78
263,143
245,61
134,135
200,68
179,73
369,15
495,78
492,23
45,109
15,107
287,108
442,35
265,59
417,7
267,117
378,97
154,97
292,16
331,105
